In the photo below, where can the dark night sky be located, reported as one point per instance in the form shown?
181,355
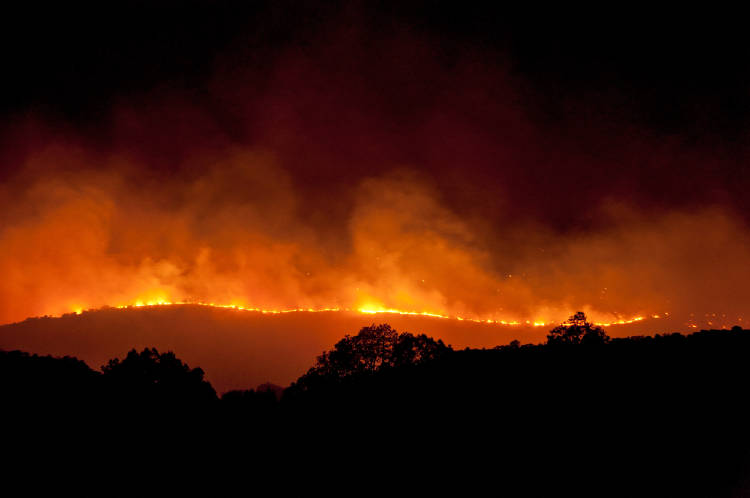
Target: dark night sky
677,72
548,144
592,78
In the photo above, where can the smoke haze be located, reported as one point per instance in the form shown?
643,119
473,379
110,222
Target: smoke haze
387,168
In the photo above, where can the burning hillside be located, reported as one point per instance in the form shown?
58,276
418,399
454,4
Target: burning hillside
242,348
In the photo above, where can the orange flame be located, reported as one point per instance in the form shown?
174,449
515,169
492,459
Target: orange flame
366,310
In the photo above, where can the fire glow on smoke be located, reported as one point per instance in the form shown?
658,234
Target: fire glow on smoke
316,191
76,242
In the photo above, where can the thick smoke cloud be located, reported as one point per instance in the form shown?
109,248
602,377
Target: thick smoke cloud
379,170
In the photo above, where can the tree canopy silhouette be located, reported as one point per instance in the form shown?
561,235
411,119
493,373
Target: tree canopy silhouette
577,330
374,348
158,377
33,380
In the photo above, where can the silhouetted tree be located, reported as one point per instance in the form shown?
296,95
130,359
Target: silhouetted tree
374,348
268,387
414,349
157,377
260,400
32,380
576,330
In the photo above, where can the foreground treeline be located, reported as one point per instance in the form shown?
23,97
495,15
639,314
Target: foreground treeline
662,416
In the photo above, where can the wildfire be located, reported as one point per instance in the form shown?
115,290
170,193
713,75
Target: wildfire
365,310
370,306
140,304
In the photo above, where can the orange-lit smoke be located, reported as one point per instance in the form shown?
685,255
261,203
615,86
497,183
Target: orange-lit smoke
401,184
75,237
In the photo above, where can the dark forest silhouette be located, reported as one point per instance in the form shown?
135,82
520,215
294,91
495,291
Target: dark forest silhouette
373,349
663,415
576,330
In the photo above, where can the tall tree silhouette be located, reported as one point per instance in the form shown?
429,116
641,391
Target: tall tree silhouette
153,377
374,348
577,330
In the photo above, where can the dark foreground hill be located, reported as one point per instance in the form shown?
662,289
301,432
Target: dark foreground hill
239,348
653,416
